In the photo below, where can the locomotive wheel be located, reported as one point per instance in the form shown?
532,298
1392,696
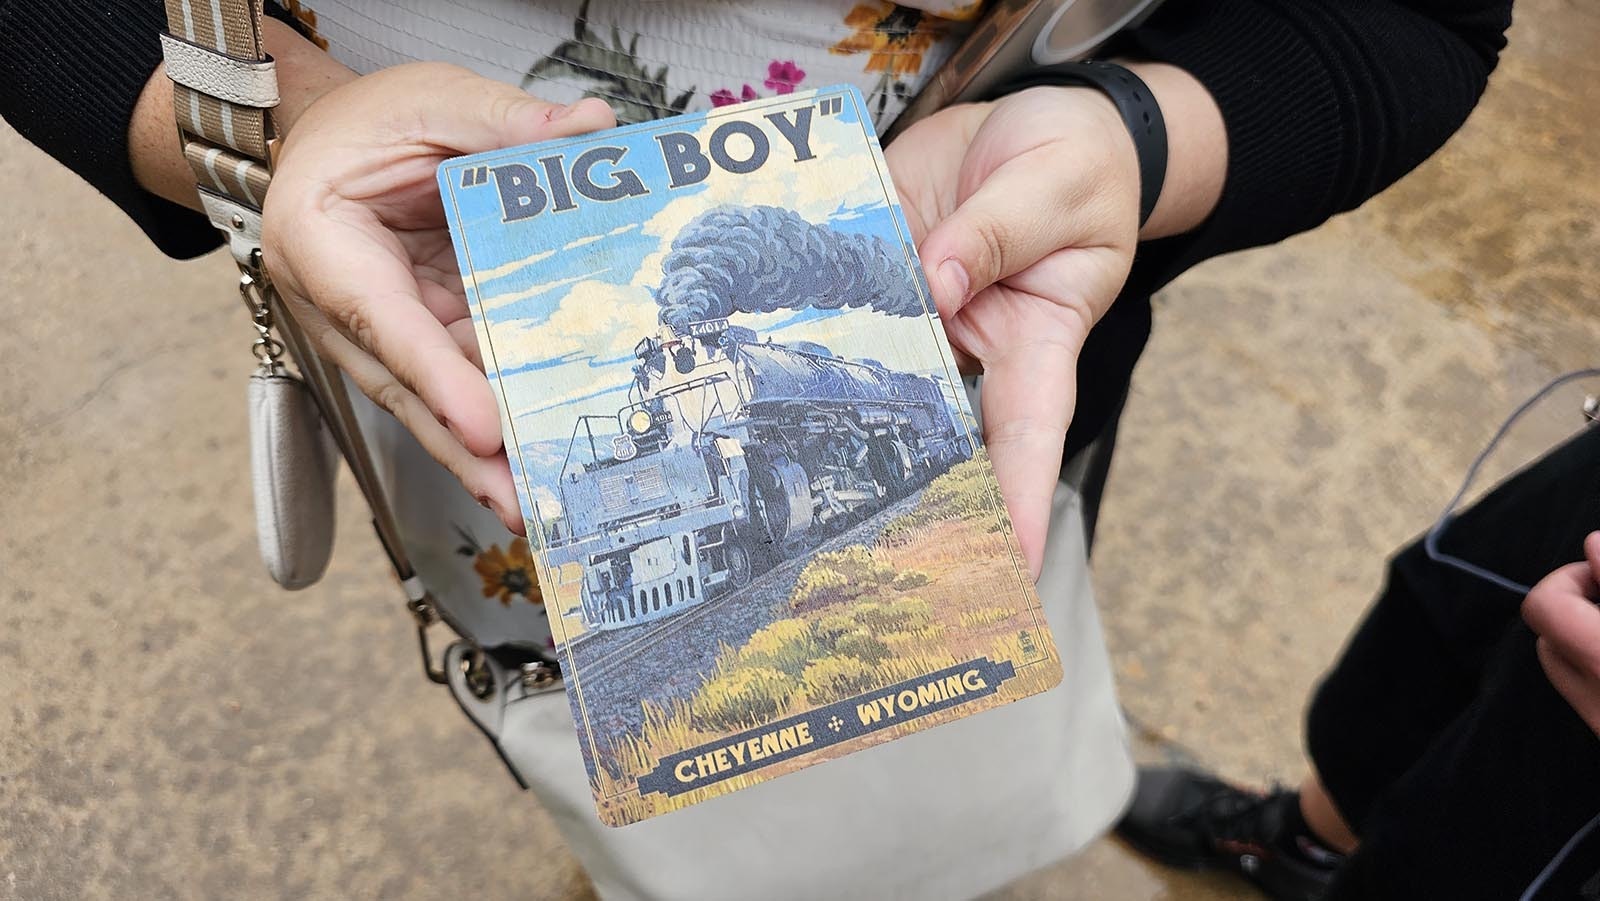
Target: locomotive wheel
739,566
891,466
779,505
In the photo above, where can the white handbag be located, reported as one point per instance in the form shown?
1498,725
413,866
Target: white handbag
949,813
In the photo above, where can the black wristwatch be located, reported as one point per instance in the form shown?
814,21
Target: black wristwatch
1138,106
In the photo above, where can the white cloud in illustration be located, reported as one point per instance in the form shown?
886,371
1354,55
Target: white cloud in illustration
496,301
505,269
595,319
534,259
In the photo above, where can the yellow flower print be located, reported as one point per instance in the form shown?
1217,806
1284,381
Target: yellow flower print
508,574
895,36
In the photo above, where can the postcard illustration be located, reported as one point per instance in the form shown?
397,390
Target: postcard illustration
766,531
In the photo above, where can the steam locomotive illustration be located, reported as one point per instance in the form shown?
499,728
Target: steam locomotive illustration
732,454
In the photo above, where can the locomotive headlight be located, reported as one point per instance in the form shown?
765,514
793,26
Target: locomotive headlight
640,421
623,448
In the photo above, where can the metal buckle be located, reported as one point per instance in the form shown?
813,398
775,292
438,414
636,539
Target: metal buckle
422,611
539,677
255,289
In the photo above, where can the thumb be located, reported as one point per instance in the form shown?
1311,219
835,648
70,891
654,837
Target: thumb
1591,552
1013,220
463,112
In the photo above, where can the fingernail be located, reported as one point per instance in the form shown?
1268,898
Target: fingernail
954,277
560,112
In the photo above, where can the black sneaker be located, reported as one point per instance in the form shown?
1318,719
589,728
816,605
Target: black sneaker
1189,819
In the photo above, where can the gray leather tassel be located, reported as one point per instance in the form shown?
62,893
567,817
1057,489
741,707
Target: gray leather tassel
293,464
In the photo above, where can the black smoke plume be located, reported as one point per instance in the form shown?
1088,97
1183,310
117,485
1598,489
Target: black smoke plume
758,259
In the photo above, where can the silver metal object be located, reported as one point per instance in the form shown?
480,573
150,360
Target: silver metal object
538,676
476,673
426,615
255,289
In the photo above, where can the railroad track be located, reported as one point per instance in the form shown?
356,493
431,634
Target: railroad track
637,640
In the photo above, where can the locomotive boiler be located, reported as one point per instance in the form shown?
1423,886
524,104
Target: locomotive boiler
731,455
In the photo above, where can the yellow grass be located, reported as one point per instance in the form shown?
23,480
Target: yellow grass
979,617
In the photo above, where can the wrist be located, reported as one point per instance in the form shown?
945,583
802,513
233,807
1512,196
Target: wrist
304,71
1197,150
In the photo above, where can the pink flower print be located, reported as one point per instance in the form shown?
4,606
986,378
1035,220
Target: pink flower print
783,76
724,97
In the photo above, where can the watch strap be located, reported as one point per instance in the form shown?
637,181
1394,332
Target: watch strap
1133,99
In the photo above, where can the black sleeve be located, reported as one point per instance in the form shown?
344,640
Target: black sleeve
70,74
1326,102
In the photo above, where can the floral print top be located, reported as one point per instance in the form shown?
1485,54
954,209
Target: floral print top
648,59
654,58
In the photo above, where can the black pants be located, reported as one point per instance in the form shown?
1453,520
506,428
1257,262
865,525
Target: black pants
1437,734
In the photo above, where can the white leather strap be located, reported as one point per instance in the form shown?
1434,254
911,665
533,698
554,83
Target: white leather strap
241,81
240,223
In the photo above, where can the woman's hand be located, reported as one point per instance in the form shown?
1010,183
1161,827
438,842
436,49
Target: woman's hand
1026,215
355,239
1562,610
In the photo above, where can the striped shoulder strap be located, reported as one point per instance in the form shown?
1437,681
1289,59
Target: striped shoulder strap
224,87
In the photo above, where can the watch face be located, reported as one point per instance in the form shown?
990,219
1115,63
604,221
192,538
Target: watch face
1077,27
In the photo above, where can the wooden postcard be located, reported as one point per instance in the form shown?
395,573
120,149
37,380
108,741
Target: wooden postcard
766,531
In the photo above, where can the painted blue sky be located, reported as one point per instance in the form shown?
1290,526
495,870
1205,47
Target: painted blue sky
565,296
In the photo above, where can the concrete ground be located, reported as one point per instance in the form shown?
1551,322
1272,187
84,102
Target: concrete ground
171,725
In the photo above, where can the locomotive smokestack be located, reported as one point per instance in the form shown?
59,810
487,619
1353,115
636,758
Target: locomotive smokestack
758,259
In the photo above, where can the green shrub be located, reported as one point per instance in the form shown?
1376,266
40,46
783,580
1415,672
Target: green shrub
832,626
835,678
911,578
966,491
818,586
836,577
861,645
786,645
741,697
858,564
867,613
904,615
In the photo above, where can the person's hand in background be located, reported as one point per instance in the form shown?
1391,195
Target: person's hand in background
1562,610
355,239
1026,214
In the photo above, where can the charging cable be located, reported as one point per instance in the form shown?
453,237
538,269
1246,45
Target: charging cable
1431,542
